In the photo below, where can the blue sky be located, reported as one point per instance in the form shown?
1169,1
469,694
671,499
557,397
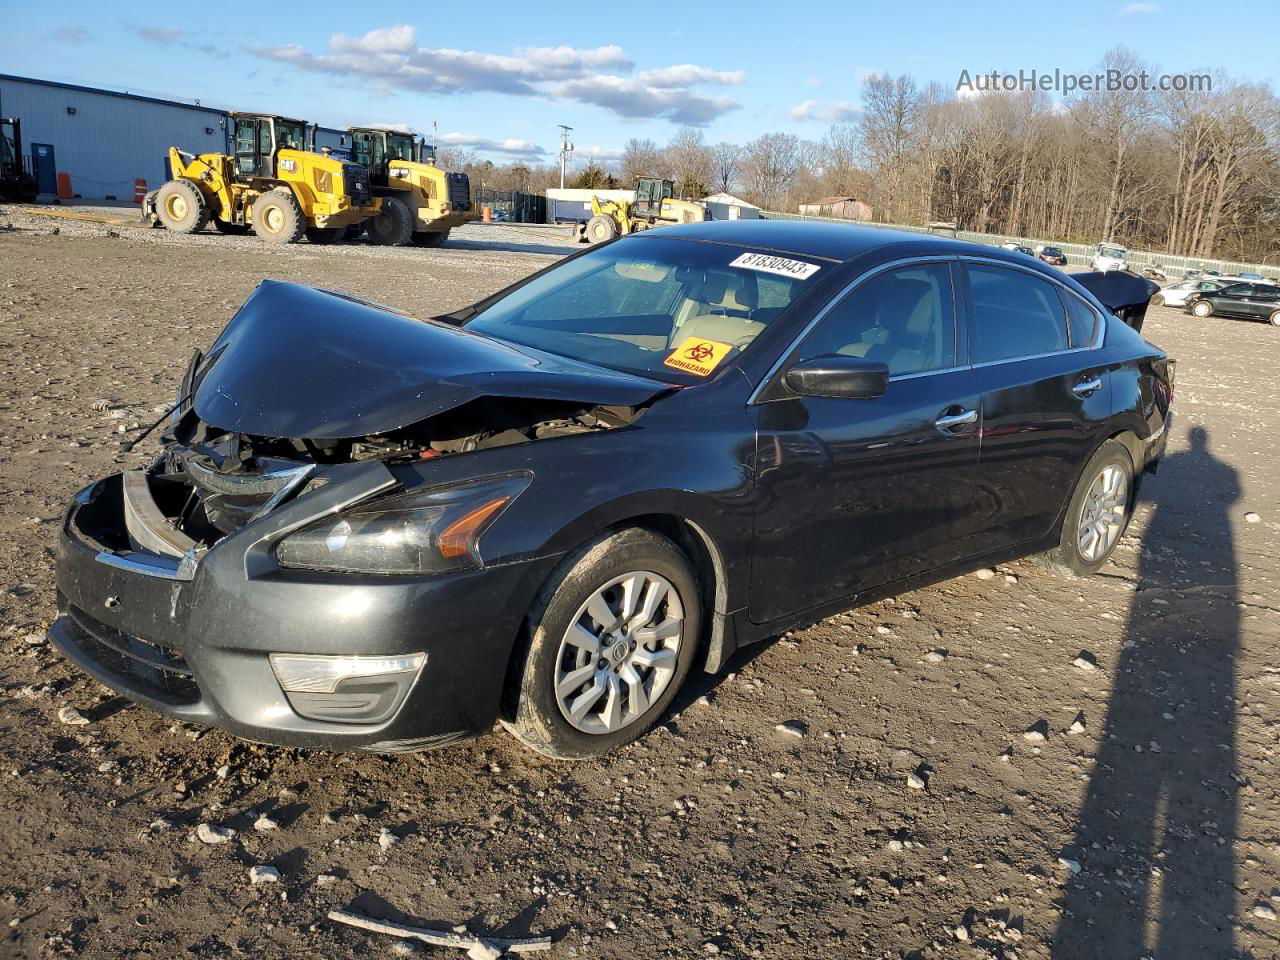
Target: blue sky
498,77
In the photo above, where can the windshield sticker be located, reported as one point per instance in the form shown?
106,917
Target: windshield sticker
779,265
697,356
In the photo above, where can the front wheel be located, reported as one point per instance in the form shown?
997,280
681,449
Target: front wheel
393,225
1274,319
611,639
181,207
1098,513
1158,300
601,229
1202,309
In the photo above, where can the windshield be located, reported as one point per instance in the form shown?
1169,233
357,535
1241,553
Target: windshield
292,135
399,146
1116,253
677,309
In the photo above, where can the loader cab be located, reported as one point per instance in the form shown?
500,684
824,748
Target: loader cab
258,140
375,149
16,181
650,192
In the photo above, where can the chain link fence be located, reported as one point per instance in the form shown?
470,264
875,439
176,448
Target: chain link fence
1079,255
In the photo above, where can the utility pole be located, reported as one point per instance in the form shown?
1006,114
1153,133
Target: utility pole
566,148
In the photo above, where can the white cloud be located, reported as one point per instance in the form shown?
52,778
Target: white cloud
1139,8
391,56
834,111
508,147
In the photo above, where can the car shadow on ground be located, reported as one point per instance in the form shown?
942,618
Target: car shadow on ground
555,249
1155,837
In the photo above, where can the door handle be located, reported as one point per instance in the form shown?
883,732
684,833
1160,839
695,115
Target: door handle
1086,387
949,420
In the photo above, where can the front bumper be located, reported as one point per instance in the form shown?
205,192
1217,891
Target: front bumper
197,649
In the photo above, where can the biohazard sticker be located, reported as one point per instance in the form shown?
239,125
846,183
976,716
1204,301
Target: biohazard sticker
779,265
697,356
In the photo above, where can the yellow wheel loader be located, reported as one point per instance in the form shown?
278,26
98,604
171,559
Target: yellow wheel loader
420,202
272,184
654,206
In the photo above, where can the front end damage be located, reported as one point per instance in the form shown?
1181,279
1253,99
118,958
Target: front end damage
303,563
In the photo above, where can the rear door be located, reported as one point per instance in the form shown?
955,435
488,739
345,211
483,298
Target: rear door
1046,397
853,493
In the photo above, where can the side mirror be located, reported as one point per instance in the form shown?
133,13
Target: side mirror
835,375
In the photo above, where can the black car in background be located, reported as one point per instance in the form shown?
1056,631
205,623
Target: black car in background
1244,301
371,532
1053,256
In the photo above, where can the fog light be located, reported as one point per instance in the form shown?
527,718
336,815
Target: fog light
346,689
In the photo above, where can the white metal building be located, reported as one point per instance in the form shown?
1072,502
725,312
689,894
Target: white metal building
103,140
725,206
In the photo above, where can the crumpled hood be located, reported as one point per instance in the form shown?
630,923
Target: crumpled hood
300,362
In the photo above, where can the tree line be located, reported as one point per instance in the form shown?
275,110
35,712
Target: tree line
1192,172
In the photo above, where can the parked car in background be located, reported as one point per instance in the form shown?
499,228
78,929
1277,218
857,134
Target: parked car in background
1250,276
1054,256
1110,256
1175,294
370,532
1242,300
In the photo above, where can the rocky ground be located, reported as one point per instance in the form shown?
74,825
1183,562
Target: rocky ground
1006,765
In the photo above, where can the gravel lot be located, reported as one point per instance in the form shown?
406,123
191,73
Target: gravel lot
1140,817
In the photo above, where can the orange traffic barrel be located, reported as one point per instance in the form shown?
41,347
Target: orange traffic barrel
486,213
64,186
139,190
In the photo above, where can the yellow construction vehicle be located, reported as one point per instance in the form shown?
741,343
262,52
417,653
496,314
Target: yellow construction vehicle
420,202
272,184
654,206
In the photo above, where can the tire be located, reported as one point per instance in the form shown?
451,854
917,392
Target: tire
181,207
1274,319
1158,300
601,229
577,722
393,226
230,229
1105,495
1202,309
277,218
324,235
436,238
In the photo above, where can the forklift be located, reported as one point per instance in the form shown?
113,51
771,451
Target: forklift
420,202
17,185
655,205
272,184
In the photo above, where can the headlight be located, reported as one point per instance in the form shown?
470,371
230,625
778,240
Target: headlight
432,531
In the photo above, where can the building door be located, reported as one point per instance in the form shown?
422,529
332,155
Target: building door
44,168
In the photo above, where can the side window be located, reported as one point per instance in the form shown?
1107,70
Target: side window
904,318
264,138
1082,320
1014,315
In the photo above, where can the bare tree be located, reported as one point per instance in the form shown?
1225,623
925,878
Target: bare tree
690,161
890,108
641,158
726,164
769,165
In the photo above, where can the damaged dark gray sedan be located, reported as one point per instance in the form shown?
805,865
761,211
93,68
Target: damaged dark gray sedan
372,532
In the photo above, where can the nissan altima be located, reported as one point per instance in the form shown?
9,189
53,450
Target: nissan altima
369,531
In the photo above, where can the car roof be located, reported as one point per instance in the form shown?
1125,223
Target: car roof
828,241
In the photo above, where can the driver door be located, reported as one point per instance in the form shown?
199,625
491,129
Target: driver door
255,148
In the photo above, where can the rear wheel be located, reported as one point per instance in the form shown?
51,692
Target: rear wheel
611,639
601,229
1158,300
181,207
1274,319
1098,513
435,238
277,218
393,226
324,235
1202,309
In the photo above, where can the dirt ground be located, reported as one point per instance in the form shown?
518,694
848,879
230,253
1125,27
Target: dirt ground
1145,823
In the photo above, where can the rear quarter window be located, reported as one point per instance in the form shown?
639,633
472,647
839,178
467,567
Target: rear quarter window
1082,320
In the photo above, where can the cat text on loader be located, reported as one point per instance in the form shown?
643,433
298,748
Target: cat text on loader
654,206
420,202
272,184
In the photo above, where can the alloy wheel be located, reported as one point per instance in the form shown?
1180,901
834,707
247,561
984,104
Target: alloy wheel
620,652
1102,514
